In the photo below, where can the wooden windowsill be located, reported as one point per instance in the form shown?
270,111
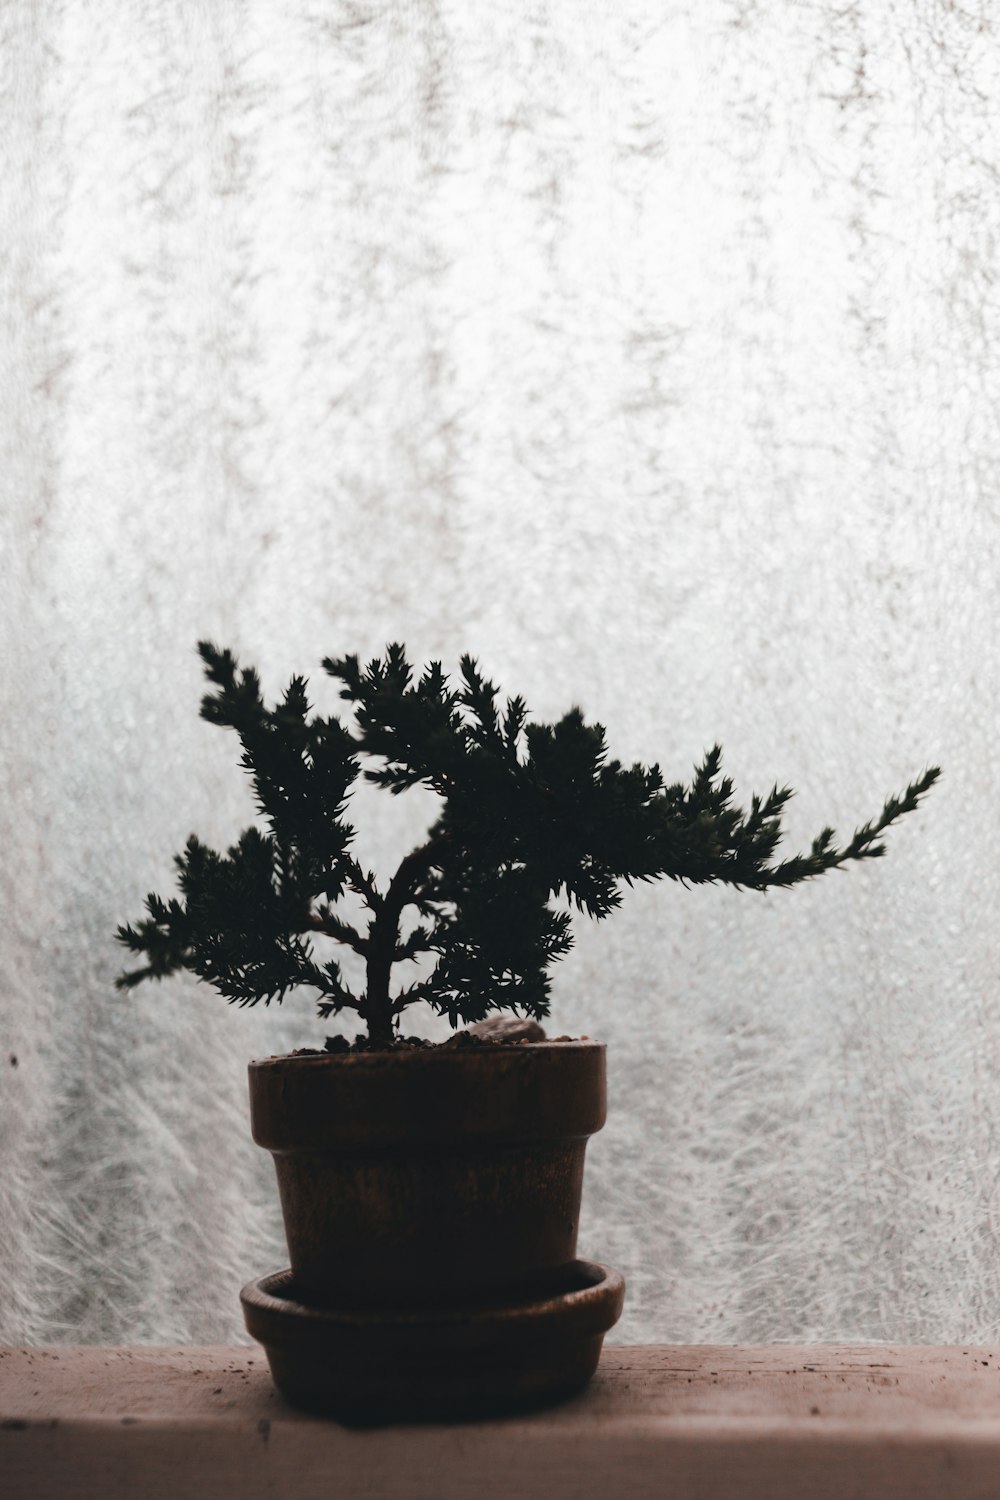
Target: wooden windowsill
663,1420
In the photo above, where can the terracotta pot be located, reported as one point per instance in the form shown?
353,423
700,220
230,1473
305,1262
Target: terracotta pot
376,1366
429,1177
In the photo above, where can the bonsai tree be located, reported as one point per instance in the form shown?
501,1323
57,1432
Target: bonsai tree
529,813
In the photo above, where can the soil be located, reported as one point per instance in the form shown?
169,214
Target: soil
462,1041
485,1034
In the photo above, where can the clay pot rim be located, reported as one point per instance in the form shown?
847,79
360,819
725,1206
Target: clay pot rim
410,1056
337,1101
604,1288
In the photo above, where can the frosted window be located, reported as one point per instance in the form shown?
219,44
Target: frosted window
646,350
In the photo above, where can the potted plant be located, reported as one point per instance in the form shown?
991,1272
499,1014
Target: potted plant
431,1192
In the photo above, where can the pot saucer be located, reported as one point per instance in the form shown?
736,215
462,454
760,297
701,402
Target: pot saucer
375,1365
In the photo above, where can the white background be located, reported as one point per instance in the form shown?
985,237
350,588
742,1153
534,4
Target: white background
646,351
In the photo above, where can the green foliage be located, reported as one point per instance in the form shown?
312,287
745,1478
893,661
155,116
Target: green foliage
529,813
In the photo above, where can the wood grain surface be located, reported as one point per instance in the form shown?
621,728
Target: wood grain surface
779,1421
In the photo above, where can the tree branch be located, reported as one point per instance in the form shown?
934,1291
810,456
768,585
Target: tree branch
330,925
406,883
363,885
